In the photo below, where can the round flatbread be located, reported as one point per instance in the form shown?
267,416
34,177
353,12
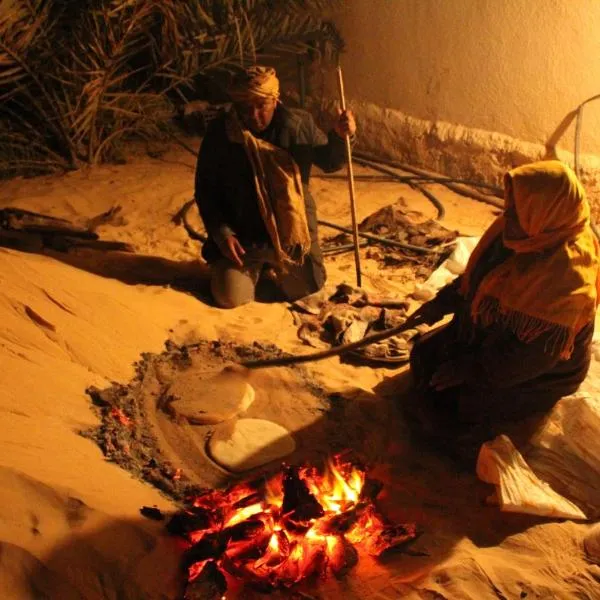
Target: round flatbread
249,443
213,400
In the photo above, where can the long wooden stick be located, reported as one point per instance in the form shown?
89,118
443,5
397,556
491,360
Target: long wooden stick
350,182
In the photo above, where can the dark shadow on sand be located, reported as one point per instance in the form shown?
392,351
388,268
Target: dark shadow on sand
131,559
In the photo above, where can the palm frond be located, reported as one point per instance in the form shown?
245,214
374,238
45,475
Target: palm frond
79,77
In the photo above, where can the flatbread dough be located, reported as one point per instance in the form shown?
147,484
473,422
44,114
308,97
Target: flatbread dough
213,400
248,443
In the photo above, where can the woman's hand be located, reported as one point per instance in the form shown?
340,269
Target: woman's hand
452,373
431,312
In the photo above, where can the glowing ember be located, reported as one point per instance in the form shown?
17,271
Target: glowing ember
301,523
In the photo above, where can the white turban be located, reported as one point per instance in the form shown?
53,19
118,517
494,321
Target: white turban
255,82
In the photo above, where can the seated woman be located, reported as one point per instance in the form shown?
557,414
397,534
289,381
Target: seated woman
523,322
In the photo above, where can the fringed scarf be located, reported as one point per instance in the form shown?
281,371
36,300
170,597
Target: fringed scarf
551,282
279,193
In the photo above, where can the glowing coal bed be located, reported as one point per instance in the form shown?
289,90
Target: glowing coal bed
272,534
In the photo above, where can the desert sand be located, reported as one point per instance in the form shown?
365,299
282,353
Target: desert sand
70,526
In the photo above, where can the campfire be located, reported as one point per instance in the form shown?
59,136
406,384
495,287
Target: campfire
275,533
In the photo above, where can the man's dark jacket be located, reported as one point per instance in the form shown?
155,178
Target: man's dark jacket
225,191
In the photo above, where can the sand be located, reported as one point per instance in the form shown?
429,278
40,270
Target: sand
70,525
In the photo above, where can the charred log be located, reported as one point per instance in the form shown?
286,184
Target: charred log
371,489
343,557
152,512
210,547
392,537
33,232
184,522
343,522
298,503
210,584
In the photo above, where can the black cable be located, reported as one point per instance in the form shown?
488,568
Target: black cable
447,182
380,239
331,250
438,178
181,217
373,165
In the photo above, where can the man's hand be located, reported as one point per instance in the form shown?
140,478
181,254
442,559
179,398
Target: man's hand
452,373
345,124
233,250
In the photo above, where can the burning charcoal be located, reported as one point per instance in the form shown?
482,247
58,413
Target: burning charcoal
307,559
244,530
298,502
209,585
278,550
393,537
343,522
245,570
281,544
211,546
185,522
254,498
203,514
342,557
152,512
371,489
210,500
250,549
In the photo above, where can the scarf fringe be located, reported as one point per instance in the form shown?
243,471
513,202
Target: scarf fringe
525,327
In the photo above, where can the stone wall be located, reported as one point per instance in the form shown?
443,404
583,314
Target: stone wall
471,88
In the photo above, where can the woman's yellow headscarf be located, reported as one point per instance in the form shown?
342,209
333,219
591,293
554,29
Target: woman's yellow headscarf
550,284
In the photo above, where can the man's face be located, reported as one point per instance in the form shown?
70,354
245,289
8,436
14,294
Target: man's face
256,114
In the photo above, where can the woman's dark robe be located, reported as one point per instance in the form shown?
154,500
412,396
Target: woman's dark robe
510,380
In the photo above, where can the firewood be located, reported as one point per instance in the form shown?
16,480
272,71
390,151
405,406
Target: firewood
30,231
185,522
371,489
341,523
17,219
209,585
214,544
343,557
298,502
211,546
275,558
245,571
392,537
244,530
253,498
152,512
253,548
